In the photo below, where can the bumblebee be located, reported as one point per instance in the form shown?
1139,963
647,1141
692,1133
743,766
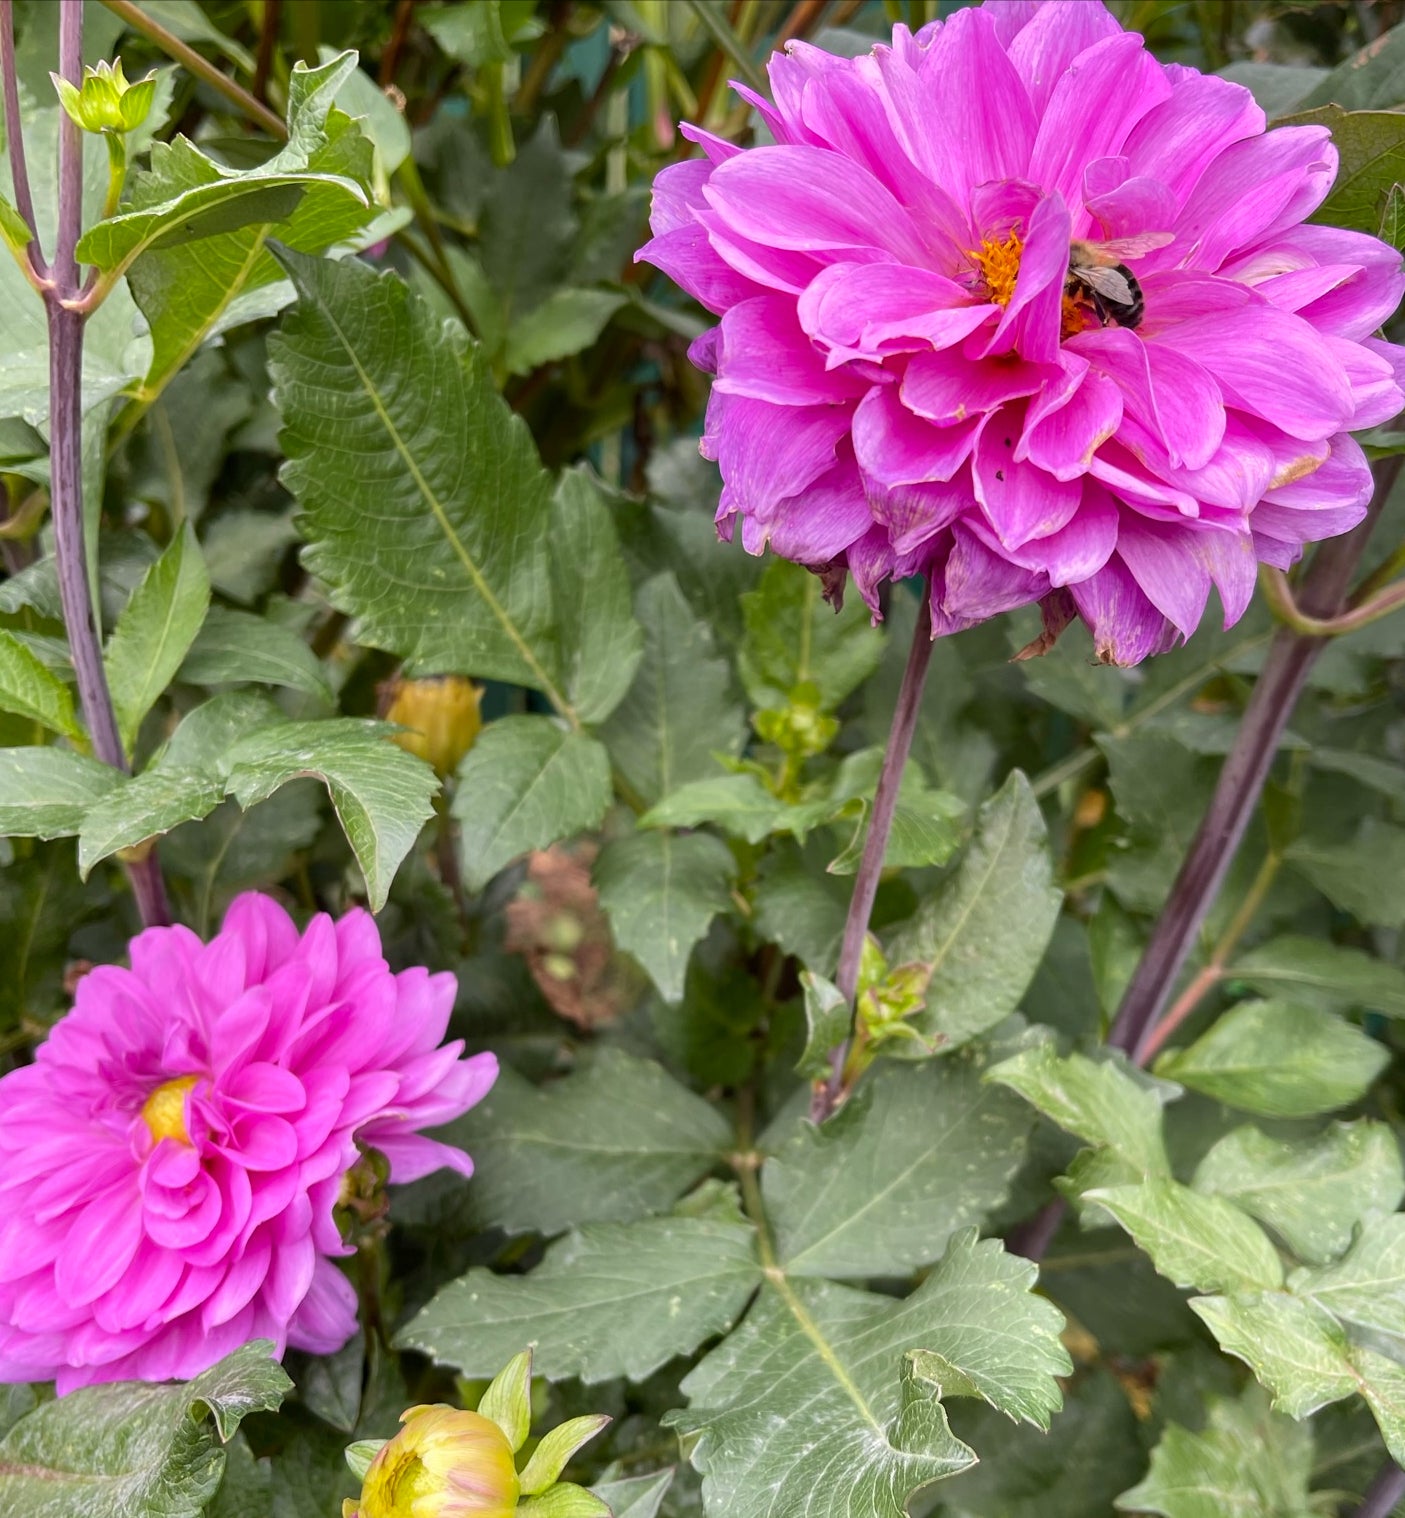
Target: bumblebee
1097,276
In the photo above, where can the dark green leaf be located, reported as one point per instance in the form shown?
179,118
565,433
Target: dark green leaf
235,647
564,323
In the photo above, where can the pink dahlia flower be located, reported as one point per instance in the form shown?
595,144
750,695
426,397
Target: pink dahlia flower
910,379
170,1161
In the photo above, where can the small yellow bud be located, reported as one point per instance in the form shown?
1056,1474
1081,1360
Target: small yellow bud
440,715
444,1463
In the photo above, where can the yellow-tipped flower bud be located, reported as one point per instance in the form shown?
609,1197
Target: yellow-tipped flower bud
444,1463
440,717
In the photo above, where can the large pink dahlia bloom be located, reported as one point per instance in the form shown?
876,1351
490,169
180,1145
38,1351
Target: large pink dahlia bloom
170,1161
906,382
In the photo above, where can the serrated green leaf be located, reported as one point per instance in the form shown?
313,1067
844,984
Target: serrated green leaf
1279,1060
614,1299
985,929
661,891
28,689
236,647
437,544
46,792
793,638
136,1448
600,642
1193,1239
155,631
915,1154
1100,1102
738,804
382,795
820,1380
1247,1463
525,783
1313,1191
566,322
1371,146
679,713
635,1496
1366,1287
1364,875
615,1141
1316,973
145,806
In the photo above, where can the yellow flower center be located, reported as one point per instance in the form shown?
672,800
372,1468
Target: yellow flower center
164,1110
999,263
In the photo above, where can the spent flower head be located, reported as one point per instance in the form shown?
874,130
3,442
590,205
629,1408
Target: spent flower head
1011,304
173,1162
450,1463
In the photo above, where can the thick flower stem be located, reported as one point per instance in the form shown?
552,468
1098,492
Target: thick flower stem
885,801
66,467
14,137
1384,1492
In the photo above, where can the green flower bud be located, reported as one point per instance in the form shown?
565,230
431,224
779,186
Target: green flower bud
105,102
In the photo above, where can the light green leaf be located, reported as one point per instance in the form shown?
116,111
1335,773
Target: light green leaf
145,806
1313,1191
437,543
187,293
236,647
926,829
1279,1060
1247,1463
985,929
822,1381
1316,973
479,32
1367,1286
827,1021
610,1143
1101,1102
1364,875
918,1152
614,1299
794,637
661,891
566,322
678,713
738,804
1193,1239
382,795
45,792
134,1447
28,689
635,1496
525,783
600,642
155,631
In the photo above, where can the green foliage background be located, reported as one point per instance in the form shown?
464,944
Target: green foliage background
393,397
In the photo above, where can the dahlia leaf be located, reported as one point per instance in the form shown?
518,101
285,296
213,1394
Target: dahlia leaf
155,631
800,906
527,229
45,792
1314,972
1371,79
635,1496
238,648
1312,1191
822,1379
1372,148
1366,1287
1246,1463
601,643
1278,87
985,929
188,292
131,1448
614,1299
437,544
30,690
614,1141
525,783
794,638
1364,876
567,321
1279,1060
915,1154
382,795
145,806
679,713
661,891
738,804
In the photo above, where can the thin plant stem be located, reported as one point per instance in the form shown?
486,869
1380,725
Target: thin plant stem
202,68
268,46
66,469
722,33
14,135
1384,1493
885,801
1280,597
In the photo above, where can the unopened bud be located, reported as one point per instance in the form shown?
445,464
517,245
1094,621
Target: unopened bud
105,102
440,716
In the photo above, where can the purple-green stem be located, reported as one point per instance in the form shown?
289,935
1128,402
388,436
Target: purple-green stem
66,422
1383,1493
14,138
1291,655
885,801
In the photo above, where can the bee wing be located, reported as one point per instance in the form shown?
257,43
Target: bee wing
1111,284
1133,247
